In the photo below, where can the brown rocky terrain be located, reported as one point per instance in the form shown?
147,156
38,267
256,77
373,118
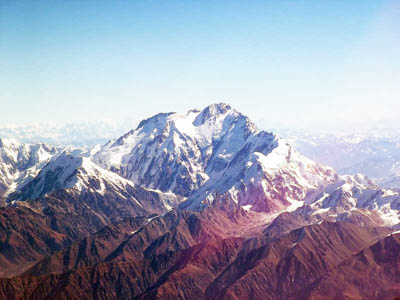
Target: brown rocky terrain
373,273
206,255
32,229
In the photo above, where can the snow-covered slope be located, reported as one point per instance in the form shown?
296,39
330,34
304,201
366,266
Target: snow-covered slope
356,194
266,177
80,176
21,162
202,154
70,172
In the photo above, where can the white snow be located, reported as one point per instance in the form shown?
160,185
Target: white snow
76,173
294,204
247,207
390,216
320,211
20,162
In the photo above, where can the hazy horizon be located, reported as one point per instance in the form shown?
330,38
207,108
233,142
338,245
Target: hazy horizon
116,127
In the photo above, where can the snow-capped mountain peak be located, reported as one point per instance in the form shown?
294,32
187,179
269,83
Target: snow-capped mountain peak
178,152
71,172
211,112
200,154
21,162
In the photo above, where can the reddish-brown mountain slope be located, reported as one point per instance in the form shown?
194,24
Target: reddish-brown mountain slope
373,273
32,229
182,255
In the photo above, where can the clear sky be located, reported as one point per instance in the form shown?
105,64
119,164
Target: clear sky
289,61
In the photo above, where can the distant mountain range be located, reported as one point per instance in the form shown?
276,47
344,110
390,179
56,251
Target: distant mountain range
201,204
75,133
375,153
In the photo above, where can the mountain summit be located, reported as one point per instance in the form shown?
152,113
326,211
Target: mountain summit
20,162
178,152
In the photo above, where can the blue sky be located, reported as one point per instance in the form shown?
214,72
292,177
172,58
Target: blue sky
282,61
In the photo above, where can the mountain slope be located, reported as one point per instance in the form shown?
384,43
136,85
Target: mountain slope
139,237
69,199
348,280
180,255
265,176
103,191
26,235
351,199
287,264
357,194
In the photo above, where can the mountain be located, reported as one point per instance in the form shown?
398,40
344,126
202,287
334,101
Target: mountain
202,154
85,181
178,153
351,199
381,261
357,192
21,162
69,199
281,268
136,237
195,205
218,153
27,235
191,255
